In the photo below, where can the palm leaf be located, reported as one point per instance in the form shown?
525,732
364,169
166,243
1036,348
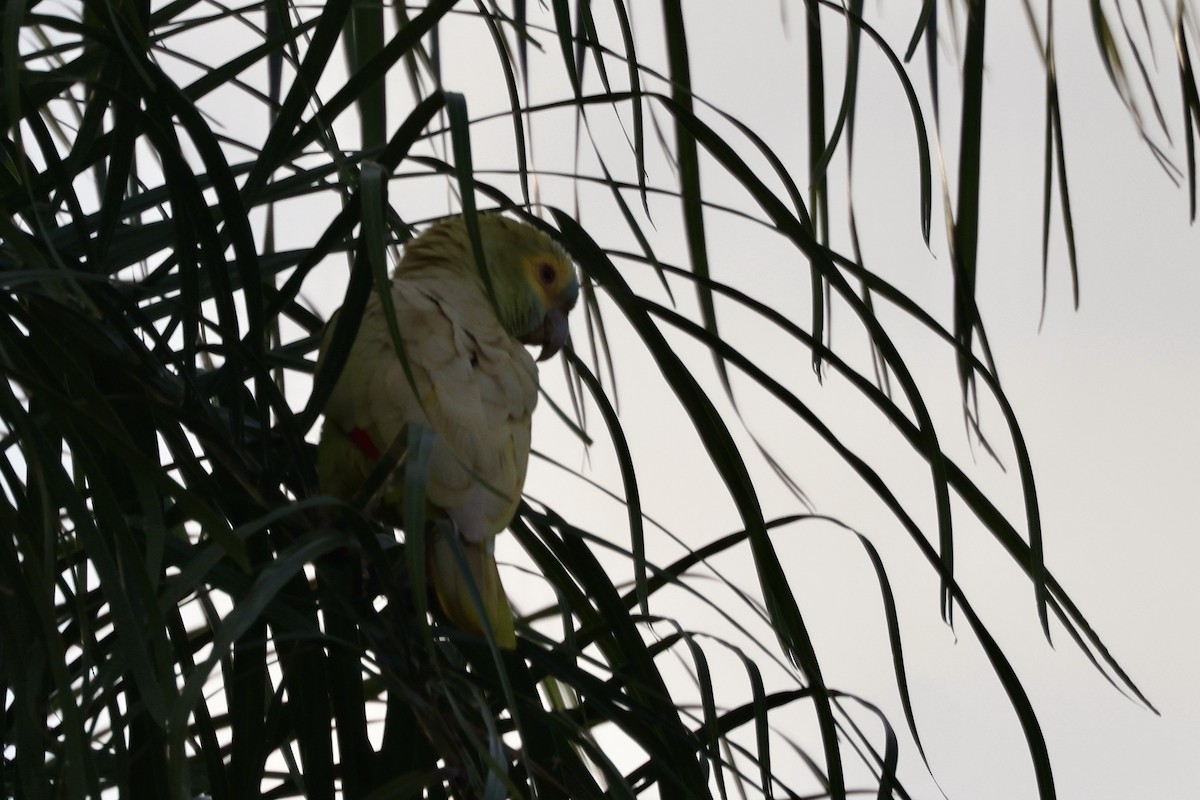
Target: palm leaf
182,613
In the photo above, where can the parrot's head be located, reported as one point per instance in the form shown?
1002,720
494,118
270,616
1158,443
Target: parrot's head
532,276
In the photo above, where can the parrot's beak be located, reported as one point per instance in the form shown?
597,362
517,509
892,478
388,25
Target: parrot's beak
552,334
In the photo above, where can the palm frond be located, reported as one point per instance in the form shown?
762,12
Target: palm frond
182,613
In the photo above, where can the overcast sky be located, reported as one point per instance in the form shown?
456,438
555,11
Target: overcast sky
1105,396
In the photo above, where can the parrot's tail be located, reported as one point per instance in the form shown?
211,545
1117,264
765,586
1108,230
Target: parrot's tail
456,565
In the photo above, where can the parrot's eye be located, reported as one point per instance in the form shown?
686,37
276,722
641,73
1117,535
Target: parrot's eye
547,274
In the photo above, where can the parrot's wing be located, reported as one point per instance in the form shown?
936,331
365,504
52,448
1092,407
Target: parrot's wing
475,387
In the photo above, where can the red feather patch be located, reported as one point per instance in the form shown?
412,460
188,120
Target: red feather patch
365,443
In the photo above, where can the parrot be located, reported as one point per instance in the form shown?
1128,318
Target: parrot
474,385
